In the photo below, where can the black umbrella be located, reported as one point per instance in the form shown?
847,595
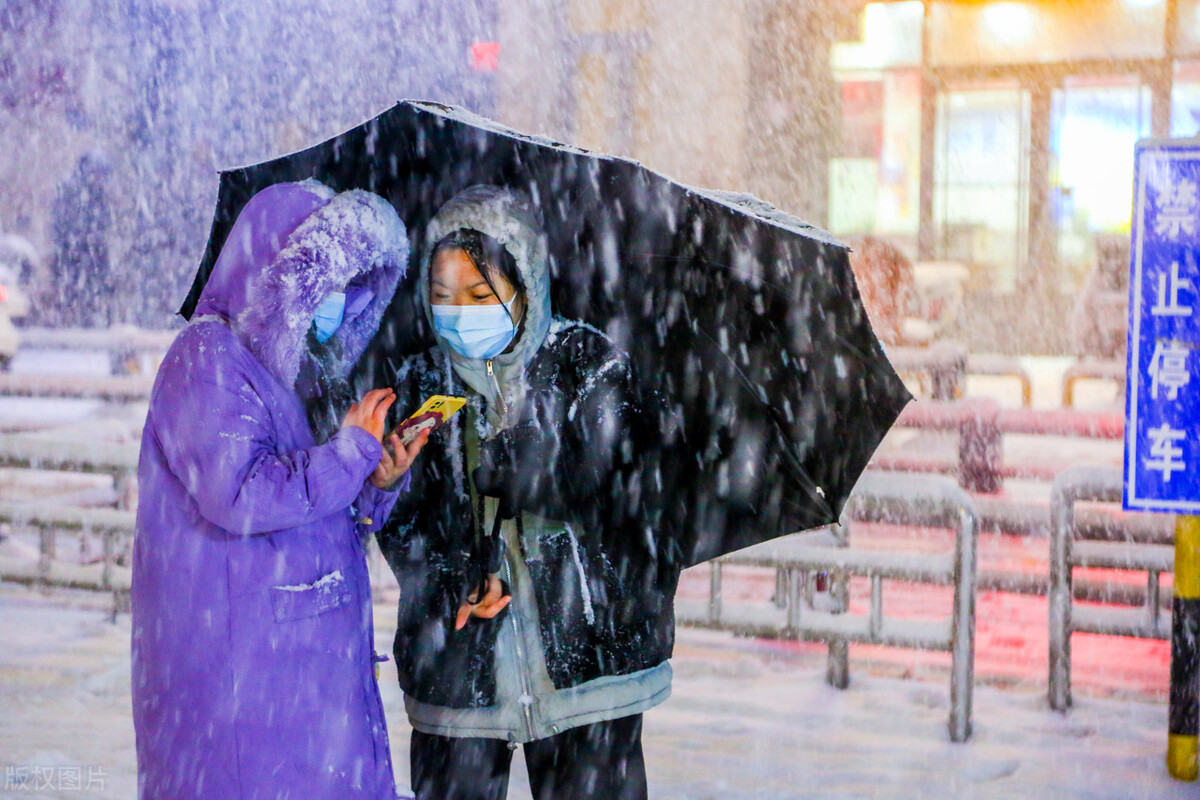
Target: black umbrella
744,322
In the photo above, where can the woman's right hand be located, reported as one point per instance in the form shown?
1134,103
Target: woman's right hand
494,601
396,460
370,413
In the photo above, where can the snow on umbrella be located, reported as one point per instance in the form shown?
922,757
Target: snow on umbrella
744,324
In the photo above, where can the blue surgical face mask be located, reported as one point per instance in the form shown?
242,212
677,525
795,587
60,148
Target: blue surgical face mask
329,315
476,331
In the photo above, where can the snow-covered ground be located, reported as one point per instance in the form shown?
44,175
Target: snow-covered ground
744,721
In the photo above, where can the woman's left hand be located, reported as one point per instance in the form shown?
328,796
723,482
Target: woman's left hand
396,460
494,601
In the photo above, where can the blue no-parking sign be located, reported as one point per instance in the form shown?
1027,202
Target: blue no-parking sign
1162,400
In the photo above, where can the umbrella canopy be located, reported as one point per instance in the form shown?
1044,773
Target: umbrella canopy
743,323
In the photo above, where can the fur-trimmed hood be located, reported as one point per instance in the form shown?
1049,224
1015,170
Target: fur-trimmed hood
291,246
508,216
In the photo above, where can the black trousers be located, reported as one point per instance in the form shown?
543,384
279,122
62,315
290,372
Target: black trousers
602,761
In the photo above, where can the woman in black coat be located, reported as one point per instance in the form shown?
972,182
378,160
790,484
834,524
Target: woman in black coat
536,602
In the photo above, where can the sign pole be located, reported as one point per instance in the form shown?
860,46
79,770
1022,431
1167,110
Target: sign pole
1184,715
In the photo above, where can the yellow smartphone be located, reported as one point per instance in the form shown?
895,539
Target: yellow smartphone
432,414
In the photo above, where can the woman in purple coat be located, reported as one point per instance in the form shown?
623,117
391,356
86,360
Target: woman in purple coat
253,660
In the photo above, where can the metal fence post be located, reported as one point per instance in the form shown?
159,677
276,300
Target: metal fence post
875,620
948,379
125,483
48,552
837,663
798,592
783,589
962,681
1096,484
714,593
1153,601
1062,525
837,657
108,554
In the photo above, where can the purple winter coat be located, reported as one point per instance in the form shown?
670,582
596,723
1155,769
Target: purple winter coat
252,629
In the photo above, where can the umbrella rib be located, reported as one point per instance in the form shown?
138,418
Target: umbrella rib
849,345
708,262
775,416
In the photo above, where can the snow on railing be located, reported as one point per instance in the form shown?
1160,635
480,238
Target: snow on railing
112,525
981,424
131,349
1101,485
51,517
118,337
895,499
947,365
24,451
111,388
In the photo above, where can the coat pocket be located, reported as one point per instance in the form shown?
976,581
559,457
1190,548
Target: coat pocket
310,599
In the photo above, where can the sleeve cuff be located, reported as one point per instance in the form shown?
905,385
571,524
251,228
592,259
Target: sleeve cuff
365,442
373,494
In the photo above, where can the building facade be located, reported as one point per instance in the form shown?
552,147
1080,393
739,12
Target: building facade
995,134
999,134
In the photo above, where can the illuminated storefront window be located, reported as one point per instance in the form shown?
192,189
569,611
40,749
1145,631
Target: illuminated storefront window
1185,99
874,181
1095,121
1035,109
981,183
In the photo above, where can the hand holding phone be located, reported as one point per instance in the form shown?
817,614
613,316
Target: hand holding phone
396,460
432,414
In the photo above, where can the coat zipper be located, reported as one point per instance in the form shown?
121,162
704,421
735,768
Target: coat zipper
499,394
526,698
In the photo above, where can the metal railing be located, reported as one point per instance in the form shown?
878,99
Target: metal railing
944,363
895,499
947,365
1102,485
110,388
981,424
1090,370
999,366
114,526
131,350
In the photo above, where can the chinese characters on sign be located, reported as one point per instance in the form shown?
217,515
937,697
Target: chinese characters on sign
1162,404
1176,209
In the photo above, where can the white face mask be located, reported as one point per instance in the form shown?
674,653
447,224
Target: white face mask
476,331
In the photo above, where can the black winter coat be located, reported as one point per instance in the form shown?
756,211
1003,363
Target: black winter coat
581,456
